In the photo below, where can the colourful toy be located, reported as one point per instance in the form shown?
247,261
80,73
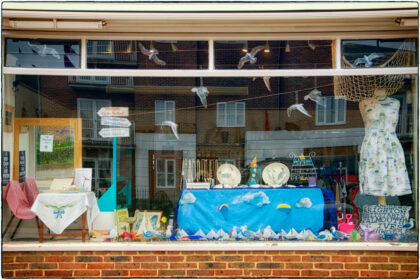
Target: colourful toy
255,173
348,226
369,234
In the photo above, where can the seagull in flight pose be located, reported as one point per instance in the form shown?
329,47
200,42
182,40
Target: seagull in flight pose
152,54
43,50
250,57
173,126
367,60
298,107
202,93
315,95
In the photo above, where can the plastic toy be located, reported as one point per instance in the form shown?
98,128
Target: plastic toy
348,226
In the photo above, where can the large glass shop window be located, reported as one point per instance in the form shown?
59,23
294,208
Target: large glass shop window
298,158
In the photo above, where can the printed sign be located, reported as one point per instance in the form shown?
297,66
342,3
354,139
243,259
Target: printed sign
114,132
5,168
22,166
46,143
114,121
113,112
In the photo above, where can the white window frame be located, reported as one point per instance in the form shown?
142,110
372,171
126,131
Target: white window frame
169,106
166,173
98,53
224,122
321,110
96,119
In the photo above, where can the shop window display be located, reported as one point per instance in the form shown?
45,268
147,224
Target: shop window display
237,158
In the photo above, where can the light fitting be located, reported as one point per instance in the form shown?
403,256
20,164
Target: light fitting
56,24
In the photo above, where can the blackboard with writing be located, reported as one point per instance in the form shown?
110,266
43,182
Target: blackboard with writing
22,166
386,219
5,168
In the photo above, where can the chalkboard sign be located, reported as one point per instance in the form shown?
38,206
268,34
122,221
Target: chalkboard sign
386,219
5,168
22,166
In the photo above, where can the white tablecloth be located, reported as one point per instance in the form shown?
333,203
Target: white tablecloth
58,210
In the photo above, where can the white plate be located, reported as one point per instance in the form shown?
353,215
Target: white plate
229,175
275,174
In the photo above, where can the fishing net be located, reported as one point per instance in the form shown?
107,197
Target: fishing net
357,88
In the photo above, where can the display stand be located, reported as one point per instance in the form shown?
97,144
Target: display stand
302,168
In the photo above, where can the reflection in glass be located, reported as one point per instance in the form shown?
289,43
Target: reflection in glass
158,54
42,53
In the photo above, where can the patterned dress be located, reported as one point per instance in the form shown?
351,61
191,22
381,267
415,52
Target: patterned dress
382,169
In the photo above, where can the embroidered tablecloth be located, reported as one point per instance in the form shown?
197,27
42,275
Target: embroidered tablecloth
58,210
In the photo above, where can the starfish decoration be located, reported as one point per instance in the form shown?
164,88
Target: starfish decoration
367,60
250,57
152,54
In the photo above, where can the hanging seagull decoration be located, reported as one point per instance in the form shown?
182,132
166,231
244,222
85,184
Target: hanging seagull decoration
250,57
298,107
173,126
202,93
266,80
43,50
367,60
315,95
152,54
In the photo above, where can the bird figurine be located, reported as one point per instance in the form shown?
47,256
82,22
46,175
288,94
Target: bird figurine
315,95
202,93
298,107
173,126
168,232
367,60
43,50
409,225
250,56
152,54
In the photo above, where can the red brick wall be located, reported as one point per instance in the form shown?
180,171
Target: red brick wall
215,264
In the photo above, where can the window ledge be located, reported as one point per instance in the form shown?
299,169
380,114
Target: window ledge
207,246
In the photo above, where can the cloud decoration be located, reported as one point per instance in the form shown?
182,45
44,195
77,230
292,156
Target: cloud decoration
305,202
258,199
187,198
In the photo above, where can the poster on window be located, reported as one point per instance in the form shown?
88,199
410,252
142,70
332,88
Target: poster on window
83,179
46,143
22,166
5,168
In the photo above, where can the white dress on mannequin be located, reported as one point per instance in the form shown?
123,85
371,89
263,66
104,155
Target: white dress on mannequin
382,168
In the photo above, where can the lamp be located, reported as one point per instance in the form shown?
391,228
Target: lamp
311,45
245,47
174,47
267,48
287,46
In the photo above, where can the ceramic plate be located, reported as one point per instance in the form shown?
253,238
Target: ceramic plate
275,174
229,175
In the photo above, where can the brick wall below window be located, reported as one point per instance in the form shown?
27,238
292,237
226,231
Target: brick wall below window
214,264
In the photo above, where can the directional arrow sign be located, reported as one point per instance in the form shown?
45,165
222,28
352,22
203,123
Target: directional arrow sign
113,112
114,121
114,132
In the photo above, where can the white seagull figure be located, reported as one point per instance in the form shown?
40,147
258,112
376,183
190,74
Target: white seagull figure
298,107
266,80
43,50
250,57
367,60
202,93
173,126
316,96
152,54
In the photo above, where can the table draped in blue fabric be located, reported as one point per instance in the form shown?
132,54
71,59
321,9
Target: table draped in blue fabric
281,208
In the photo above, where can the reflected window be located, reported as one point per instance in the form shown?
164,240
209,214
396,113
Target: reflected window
165,173
42,53
332,111
164,111
231,114
91,123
